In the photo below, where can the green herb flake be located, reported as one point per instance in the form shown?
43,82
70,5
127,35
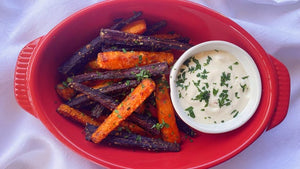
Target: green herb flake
207,61
224,78
190,111
143,74
230,67
69,80
245,77
138,138
223,99
65,84
124,50
237,112
215,91
236,63
127,83
244,87
236,95
140,59
203,96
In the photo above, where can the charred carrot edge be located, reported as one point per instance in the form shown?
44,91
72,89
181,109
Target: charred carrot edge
172,36
65,92
83,119
114,37
111,104
167,36
124,22
131,140
124,109
122,59
76,115
154,28
152,70
111,89
93,65
136,27
87,53
128,126
165,112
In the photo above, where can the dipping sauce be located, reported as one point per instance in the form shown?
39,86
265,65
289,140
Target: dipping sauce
213,87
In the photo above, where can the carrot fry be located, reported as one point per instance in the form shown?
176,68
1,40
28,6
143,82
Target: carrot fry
124,109
155,27
127,125
165,113
76,115
136,27
93,65
122,60
167,36
83,119
172,36
65,92
124,22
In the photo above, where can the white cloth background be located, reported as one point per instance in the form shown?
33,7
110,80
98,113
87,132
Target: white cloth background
26,144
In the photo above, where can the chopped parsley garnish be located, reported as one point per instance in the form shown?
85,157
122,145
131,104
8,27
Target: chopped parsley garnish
215,91
236,95
138,138
69,80
143,74
236,63
159,126
244,87
190,111
245,77
223,99
198,65
187,62
140,59
224,78
124,50
235,112
207,60
203,96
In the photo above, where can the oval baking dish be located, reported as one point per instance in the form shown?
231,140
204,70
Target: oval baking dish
36,76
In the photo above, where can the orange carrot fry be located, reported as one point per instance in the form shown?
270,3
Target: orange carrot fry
127,125
136,27
124,109
167,36
121,60
93,65
64,92
165,112
76,115
82,118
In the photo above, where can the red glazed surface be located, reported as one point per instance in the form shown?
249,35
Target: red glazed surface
198,23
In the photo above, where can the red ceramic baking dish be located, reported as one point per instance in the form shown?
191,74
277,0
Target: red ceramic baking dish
36,76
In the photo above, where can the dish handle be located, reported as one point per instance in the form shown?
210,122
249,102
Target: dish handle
21,89
283,99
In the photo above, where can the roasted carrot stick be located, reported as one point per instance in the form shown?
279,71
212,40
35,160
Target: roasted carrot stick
127,59
167,36
136,27
83,119
65,92
124,109
127,125
165,112
76,115
93,65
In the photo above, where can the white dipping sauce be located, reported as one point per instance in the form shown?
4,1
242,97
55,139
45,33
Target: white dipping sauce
213,87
